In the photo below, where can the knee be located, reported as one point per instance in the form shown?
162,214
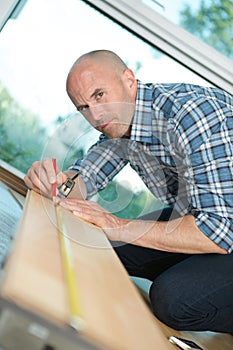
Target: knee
164,304
171,305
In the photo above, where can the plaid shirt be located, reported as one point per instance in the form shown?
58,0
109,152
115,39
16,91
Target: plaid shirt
181,145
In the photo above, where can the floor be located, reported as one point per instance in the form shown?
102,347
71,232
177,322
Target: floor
206,340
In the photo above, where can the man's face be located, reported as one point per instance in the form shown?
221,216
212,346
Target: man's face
105,98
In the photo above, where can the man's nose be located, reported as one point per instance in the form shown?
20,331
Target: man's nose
96,112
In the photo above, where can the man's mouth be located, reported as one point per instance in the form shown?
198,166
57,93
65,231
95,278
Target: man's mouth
103,126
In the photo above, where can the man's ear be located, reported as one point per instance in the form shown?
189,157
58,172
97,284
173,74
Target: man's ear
129,79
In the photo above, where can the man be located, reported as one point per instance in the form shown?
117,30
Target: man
179,138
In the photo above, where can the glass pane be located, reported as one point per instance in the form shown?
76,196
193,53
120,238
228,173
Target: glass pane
36,52
210,21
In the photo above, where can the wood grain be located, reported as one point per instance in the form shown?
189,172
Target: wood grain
114,313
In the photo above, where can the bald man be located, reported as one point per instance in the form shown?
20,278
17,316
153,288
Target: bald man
179,139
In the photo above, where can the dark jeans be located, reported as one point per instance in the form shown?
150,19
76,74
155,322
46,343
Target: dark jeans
189,292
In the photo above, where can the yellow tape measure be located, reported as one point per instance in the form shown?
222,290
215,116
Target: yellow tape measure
75,320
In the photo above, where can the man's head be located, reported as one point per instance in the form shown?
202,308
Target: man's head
104,90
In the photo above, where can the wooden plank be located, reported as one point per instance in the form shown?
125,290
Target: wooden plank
13,178
115,315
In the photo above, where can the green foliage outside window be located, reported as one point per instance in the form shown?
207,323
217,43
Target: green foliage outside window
138,203
212,22
22,135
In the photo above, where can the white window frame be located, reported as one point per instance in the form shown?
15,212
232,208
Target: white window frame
171,39
7,7
160,33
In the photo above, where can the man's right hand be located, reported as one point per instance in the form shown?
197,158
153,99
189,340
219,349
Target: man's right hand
42,175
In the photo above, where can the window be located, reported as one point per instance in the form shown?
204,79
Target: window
37,50
210,21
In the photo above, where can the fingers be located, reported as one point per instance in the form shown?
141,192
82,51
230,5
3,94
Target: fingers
34,178
87,210
42,175
82,206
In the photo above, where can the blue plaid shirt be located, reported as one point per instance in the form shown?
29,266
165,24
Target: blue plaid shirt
181,145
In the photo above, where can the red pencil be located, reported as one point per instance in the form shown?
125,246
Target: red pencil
54,185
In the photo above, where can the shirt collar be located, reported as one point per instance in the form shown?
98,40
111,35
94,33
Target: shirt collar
142,120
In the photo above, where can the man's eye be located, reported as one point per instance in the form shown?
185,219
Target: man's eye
82,108
99,95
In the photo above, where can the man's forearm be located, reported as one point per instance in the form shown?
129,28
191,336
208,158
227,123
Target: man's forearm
178,235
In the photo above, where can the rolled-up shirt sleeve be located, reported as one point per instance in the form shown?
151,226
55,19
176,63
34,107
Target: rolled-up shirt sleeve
210,183
212,200
219,229
102,162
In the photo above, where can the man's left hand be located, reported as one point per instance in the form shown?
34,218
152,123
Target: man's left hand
95,214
